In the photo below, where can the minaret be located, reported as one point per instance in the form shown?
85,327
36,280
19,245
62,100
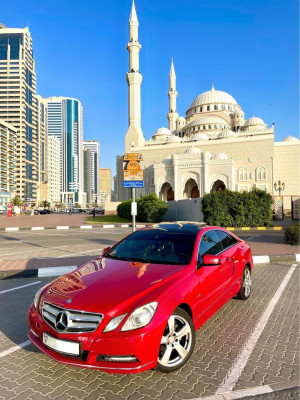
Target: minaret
134,136
172,114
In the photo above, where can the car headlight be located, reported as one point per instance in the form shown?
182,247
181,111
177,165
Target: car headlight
114,323
37,296
140,317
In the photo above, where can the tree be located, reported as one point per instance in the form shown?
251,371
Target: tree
16,201
45,204
77,205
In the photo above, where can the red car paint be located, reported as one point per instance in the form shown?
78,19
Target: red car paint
115,287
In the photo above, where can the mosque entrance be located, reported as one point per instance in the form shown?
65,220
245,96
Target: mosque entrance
218,185
191,189
166,192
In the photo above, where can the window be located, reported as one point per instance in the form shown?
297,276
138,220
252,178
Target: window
209,244
261,173
209,126
215,107
226,239
208,108
242,174
200,109
204,126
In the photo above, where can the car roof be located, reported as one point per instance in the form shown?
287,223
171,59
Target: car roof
181,226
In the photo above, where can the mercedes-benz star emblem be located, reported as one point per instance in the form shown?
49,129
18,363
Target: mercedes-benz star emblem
61,322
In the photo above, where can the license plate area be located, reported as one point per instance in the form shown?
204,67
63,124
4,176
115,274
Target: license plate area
63,346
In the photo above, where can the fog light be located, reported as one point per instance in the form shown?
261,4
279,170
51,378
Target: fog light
117,358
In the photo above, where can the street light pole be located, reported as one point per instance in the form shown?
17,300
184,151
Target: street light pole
279,187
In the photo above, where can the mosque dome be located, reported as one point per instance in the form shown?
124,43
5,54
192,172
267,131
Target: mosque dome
199,136
173,138
220,157
180,119
213,97
254,121
163,132
291,139
2,26
207,119
226,133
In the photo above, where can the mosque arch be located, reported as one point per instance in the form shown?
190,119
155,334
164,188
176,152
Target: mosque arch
166,192
218,182
191,189
218,185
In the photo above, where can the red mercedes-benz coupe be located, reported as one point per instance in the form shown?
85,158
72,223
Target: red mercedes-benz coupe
138,305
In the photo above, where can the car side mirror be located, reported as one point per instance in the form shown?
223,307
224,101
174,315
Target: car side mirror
105,250
210,259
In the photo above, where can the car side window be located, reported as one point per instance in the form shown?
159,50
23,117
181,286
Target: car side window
209,244
226,239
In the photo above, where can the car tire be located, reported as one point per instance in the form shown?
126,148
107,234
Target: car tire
245,289
177,342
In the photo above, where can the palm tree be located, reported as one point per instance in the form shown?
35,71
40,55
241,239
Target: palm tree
16,201
45,204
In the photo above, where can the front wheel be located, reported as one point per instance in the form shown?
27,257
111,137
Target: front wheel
177,342
245,289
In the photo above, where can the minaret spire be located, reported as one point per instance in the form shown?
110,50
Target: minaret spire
134,136
172,114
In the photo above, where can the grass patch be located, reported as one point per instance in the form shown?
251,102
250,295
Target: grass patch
107,219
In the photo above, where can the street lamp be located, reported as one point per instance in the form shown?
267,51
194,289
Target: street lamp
279,186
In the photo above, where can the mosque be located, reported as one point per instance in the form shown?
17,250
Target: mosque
212,148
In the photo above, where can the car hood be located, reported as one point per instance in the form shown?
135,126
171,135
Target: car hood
106,285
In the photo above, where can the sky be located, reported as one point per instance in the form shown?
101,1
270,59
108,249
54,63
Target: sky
248,48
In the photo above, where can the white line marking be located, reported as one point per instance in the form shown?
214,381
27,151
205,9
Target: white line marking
37,228
11,229
62,227
20,287
33,251
297,257
239,394
86,227
241,361
108,226
15,348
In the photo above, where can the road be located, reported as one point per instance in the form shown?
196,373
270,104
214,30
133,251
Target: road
221,342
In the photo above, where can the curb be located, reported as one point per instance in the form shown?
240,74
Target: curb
58,271
255,391
129,225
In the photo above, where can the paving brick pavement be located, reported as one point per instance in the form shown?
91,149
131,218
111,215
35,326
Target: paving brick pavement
29,374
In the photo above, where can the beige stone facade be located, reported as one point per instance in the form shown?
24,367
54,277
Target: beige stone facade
212,148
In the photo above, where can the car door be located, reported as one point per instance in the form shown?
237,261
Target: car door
230,247
209,278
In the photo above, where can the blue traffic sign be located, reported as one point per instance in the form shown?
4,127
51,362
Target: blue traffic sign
133,184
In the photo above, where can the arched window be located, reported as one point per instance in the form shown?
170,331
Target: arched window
204,126
209,126
215,107
208,108
242,174
261,173
200,109
215,126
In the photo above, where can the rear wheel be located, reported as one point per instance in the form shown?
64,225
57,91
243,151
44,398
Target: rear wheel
177,342
245,289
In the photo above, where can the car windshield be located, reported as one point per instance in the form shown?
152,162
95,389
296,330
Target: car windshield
157,246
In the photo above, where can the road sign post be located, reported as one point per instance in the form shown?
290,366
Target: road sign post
133,177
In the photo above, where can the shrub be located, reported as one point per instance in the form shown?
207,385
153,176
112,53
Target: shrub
228,208
149,209
292,234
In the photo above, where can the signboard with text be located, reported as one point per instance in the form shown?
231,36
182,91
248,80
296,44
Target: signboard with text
133,174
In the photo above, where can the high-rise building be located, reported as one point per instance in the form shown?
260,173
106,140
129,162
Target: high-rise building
42,187
53,170
87,175
8,140
105,185
18,104
65,123
94,147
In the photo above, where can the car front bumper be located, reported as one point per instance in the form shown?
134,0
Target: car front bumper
143,344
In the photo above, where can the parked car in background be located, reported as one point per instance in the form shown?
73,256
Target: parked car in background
138,305
36,212
45,211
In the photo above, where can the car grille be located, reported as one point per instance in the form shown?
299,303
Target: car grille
70,321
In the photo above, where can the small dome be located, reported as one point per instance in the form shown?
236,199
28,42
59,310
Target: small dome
163,132
220,157
199,136
291,139
254,121
213,97
226,133
193,151
180,119
173,138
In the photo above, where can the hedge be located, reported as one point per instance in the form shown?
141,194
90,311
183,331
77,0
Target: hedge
149,209
228,208
292,234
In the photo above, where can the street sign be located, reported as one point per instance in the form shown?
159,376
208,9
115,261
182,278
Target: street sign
133,157
133,174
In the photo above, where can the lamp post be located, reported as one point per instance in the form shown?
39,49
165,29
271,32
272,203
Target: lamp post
279,186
